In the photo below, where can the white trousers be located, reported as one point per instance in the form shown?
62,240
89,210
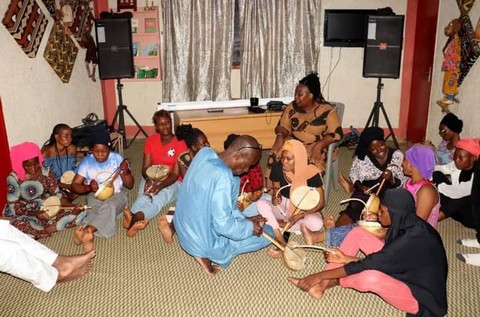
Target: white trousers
25,258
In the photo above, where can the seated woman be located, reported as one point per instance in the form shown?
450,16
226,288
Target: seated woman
162,148
418,164
373,164
101,167
61,156
291,172
409,270
454,182
29,185
449,129
251,185
195,140
309,119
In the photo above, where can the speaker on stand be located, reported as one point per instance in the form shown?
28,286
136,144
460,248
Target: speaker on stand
381,59
115,61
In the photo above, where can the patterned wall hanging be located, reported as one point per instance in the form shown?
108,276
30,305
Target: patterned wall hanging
82,19
61,52
470,48
26,23
50,5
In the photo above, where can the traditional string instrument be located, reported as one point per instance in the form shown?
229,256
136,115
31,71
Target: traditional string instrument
67,177
106,189
156,173
52,205
303,198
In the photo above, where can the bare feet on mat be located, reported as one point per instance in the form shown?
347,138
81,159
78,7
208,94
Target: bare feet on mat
127,217
136,227
208,266
167,229
329,222
275,253
72,267
84,236
317,290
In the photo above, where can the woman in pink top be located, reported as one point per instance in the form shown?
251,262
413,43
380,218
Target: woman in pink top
419,163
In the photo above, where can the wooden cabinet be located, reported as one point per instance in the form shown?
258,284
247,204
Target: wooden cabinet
218,125
146,44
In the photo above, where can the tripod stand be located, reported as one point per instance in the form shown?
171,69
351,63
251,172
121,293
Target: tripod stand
121,118
375,114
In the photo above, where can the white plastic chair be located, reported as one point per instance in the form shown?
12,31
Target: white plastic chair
331,171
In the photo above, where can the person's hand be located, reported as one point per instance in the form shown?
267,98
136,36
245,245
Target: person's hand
42,214
93,185
240,205
276,200
125,167
294,219
337,257
308,282
388,176
151,187
258,224
369,216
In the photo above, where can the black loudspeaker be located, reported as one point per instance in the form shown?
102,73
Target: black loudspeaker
114,46
383,46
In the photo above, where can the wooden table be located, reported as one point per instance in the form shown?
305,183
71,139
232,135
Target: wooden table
218,125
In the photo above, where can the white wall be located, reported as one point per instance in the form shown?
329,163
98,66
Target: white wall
469,92
34,98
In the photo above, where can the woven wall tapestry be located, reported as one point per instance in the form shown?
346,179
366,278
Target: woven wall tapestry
82,19
50,5
470,48
61,52
26,23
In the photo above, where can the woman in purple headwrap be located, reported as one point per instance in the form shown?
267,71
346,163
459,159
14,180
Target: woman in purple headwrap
419,163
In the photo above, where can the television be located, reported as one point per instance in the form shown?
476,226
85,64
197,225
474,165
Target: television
345,28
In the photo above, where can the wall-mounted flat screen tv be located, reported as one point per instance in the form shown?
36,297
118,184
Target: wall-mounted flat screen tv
345,28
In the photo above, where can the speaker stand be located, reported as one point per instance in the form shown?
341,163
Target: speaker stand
121,118
375,114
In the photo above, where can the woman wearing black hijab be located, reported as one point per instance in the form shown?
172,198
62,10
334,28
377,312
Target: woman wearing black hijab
409,270
374,161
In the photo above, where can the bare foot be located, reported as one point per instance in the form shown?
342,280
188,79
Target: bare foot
307,234
72,267
317,290
208,266
167,229
127,217
275,253
77,235
329,222
346,184
136,227
84,236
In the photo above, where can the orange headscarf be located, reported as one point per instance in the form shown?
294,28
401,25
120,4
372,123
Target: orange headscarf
303,170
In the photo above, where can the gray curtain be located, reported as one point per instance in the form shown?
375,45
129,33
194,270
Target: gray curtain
280,43
198,37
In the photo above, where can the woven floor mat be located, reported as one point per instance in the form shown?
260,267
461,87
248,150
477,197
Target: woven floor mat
143,276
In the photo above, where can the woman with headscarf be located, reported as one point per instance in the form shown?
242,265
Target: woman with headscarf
373,164
29,185
287,175
102,167
309,119
409,270
449,129
454,182
418,164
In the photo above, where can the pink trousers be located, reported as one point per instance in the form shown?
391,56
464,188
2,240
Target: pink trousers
393,291
273,213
